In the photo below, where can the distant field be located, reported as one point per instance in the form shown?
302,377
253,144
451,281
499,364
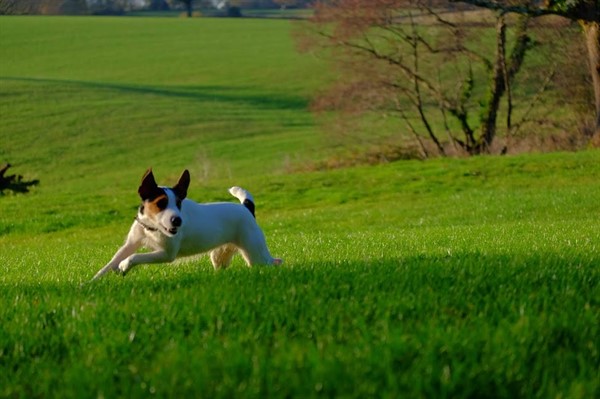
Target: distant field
165,89
447,278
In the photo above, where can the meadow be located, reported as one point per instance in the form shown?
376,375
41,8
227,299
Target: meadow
443,278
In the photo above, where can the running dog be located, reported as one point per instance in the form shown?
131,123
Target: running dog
173,226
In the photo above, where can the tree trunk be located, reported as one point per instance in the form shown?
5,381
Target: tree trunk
189,8
591,31
586,12
503,73
497,88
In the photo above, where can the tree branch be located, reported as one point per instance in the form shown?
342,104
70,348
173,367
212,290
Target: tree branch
582,13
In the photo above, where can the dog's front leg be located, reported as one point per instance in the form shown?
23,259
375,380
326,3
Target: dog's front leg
125,251
160,256
132,244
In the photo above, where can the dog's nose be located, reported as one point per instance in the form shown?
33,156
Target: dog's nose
176,221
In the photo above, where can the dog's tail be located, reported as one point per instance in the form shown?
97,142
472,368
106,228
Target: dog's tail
244,196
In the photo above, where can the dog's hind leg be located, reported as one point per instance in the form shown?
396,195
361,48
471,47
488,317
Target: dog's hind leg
253,248
221,256
252,258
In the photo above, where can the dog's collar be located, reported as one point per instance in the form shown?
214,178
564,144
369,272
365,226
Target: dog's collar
144,225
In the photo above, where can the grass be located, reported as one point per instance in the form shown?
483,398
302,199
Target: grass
171,84
285,332
447,278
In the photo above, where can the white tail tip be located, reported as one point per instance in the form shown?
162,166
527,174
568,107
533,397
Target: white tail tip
240,194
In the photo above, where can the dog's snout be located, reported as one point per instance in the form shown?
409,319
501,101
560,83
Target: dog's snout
176,221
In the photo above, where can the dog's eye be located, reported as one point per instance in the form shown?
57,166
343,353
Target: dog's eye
162,203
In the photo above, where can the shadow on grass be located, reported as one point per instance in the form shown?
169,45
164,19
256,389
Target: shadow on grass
477,272
251,96
473,271
470,325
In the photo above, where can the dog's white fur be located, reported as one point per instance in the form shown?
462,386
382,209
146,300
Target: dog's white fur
221,228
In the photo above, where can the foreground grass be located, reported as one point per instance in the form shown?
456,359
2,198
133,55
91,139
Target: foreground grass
462,324
420,327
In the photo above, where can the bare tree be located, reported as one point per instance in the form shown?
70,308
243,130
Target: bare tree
12,7
586,12
404,57
42,7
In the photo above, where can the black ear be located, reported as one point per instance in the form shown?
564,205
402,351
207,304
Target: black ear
180,189
148,189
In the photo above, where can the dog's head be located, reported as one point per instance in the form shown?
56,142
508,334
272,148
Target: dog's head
162,205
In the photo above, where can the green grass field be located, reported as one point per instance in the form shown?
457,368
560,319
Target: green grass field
447,278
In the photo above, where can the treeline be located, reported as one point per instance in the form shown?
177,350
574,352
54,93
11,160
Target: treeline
50,7
83,7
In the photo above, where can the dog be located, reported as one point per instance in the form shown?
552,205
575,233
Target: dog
173,226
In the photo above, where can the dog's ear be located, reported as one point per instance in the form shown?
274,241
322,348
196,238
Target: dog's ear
148,188
180,189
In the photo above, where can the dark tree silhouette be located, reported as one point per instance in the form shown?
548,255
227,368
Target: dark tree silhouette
14,183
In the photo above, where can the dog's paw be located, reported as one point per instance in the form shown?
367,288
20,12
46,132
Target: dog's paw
124,267
277,262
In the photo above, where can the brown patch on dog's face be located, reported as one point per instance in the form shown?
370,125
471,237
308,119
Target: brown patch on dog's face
156,205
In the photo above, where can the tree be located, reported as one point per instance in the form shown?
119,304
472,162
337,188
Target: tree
69,7
159,5
402,55
14,183
12,7
73,7
586,12
189,6
43,7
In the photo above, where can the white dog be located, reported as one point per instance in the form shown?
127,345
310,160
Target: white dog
172,226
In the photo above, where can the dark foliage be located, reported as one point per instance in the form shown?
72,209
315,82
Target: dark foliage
14,183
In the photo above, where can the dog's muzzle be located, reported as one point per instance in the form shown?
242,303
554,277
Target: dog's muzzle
176,224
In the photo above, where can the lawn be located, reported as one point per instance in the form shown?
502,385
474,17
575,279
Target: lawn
446,278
